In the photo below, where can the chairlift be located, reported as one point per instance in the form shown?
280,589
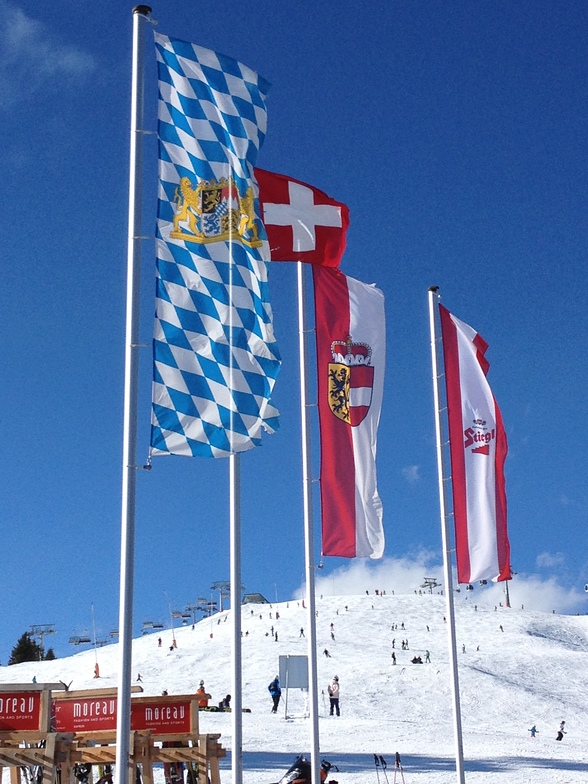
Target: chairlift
77,639
157,625
176,614
147,624
586,587
114,633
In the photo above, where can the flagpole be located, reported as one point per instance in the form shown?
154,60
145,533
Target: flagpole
235,547
129,476
443,506
308,529
235,577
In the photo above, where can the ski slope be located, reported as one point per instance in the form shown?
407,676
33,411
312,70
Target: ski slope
533,671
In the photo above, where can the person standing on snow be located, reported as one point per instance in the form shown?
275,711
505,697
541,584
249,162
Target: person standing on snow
562,731
276,692
333,690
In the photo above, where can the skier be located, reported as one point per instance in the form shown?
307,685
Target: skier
393,658
562,731
427,657
333,690
203,696
533,731
276,692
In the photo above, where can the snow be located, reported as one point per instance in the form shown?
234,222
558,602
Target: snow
535,671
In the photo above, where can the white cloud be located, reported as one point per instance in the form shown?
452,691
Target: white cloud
411,473
32,59
549,560
407,575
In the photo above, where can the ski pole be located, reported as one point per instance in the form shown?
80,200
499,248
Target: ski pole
398,766
384,766
377,764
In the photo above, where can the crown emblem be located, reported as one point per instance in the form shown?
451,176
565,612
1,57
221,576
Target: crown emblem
350,353
215,211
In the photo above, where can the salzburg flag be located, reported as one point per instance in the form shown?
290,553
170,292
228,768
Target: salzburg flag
302,223
478,450
350,347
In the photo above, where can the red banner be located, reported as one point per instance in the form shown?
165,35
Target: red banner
20,711
351,350
478,449
94,714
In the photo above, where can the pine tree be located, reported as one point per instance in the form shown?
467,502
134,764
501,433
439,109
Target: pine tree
50,655
26,650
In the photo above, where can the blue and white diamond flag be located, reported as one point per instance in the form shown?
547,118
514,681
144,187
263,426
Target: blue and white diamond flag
215,355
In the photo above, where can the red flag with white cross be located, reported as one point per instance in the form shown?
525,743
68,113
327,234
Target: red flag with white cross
302,222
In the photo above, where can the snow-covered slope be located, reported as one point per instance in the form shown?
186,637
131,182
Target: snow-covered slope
516,668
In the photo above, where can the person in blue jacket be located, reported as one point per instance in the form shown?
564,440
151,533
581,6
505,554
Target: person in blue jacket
276,692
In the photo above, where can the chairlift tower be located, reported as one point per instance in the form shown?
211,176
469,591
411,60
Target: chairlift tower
430,583
224,591
41,630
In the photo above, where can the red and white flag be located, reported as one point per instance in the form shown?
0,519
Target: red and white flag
478,450
350,346
302,223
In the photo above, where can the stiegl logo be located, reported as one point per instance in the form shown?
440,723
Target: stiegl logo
479,436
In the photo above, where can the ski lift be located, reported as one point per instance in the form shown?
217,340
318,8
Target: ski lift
114,633
176,614
586,587
78,639
157,625
148,624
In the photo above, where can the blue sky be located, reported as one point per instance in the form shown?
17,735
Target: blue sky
457,135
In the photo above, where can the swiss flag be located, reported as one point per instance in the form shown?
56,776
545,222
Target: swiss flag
302,223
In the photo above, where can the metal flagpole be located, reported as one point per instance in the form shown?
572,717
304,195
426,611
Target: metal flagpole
441,474
127,548
235,548
236,695
308,529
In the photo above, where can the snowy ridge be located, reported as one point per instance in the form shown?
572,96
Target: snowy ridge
534,671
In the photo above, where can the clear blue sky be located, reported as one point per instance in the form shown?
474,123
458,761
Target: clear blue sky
457,135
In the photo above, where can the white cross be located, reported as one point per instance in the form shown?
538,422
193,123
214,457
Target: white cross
303,215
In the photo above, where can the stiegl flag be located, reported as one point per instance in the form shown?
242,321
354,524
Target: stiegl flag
478,450
302,222
350,346
215,355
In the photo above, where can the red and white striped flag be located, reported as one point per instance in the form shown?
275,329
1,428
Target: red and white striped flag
350,345
478,450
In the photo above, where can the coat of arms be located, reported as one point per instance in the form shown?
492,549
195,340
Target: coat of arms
215,211
351,380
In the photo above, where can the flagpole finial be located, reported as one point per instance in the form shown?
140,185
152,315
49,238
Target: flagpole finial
433,288
142,9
